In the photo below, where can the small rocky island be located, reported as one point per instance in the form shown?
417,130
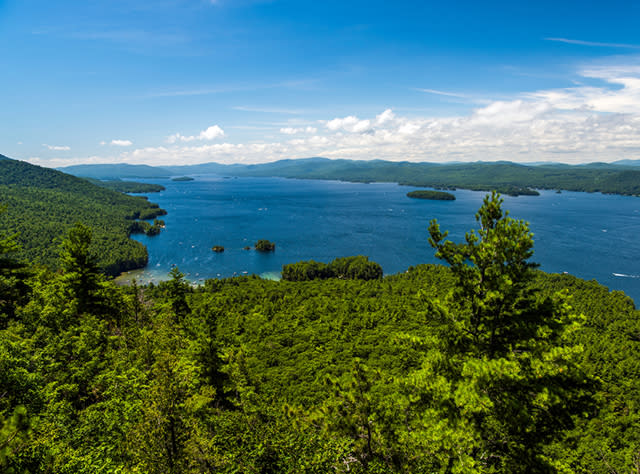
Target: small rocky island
217,248
434,195
263,245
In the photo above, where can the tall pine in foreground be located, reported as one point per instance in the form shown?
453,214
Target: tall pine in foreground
501,380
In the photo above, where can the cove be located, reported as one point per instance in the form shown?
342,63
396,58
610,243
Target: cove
590,235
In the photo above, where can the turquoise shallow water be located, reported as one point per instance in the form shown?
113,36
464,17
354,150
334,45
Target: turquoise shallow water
592,236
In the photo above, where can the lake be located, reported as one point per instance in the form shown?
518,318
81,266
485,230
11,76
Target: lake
592,236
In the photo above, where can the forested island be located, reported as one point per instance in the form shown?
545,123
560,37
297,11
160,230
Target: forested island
264,245
483,365
183,178
506,177
42,204
433,195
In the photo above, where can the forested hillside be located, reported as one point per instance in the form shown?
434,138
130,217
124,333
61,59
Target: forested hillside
484,365
41,205
508,178
122,170
127,186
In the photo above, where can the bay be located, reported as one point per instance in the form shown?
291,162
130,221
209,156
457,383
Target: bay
590,235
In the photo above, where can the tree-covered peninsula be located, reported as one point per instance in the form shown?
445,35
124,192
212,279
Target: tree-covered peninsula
485,365
131,187
43,204
505,177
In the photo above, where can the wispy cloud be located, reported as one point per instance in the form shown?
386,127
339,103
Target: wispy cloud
139,41
57,147
269,110
230,88
296,130
594,43
199,91
445,93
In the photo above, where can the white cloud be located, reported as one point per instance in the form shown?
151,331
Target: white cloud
293,130
385,117
349,124
57,147
121,142
210,133
117,143
595,122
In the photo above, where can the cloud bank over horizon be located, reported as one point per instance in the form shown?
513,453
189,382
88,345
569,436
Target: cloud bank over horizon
598,119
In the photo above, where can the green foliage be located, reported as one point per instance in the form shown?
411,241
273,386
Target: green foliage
175,291
81,274
117,171
263,245
43,204
127,186
476,367
492,272
433,195
13,275
511,373
353,268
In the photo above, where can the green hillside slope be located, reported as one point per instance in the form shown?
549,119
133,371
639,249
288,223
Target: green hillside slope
42,204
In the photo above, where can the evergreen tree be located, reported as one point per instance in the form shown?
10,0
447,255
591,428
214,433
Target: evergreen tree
504,382
176,290
81,276
13,275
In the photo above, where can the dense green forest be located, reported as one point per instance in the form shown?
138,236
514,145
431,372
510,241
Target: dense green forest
43,204
483,365
127,186
352,268
117,171
505,177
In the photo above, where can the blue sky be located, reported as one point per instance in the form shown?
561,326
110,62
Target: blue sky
190,81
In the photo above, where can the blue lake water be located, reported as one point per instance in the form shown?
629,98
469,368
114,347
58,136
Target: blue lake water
592,236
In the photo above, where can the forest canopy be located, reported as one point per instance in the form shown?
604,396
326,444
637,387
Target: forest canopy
483,365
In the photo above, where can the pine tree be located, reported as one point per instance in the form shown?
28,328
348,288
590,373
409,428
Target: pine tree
503,381
81,276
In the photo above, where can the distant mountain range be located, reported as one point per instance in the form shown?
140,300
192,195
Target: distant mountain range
622,177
